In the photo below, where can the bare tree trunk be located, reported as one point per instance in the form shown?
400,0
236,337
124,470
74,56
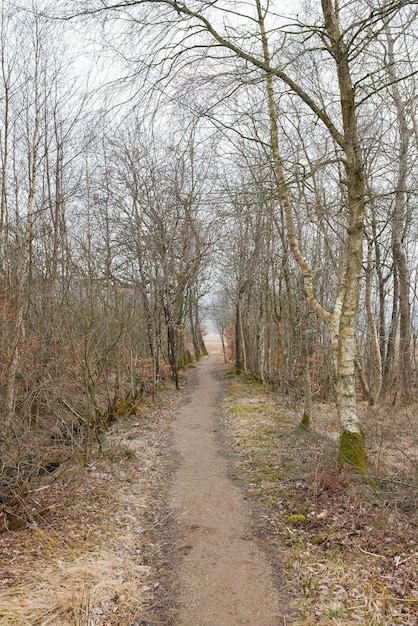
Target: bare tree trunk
203,349
193,330
21,299
352,449
260,341
343,319
398,225
376,373
172,352
5,74
388,373
307,389
380,287
239,358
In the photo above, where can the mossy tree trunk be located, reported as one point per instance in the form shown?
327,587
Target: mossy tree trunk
345,314
343,319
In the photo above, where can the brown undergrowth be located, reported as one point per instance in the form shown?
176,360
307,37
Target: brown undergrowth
85,551
95,549
349,548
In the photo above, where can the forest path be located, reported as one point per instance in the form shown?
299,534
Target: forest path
225,580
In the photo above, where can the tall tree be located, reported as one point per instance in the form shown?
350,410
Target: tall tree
286,54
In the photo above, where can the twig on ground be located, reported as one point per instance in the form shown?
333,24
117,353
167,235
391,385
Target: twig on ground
161,521
380,556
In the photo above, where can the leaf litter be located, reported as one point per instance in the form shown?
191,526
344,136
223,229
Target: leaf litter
349,548
348,551
90,560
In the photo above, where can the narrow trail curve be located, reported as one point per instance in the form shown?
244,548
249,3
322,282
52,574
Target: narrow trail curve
225,579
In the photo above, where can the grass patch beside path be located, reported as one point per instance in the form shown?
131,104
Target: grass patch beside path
92,559
350,554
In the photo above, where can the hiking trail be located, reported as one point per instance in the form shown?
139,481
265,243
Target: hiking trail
225,580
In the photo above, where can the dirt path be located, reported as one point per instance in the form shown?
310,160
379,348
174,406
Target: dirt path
225,579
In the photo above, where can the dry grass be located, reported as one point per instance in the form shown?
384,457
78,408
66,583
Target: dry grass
89,561
87,590
90,554
349,551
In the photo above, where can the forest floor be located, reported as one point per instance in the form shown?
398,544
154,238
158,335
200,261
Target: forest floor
215,508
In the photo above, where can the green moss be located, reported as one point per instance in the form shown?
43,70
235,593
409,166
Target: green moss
236,389
296,519
288,463
251,409
270,410
317,539
250,378
352,452
240,409
305,421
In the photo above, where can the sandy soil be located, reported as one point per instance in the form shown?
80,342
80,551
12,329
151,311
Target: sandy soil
225,579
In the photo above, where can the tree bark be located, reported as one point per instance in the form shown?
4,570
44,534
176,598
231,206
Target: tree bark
352,449
343,319
23,272
376,373
239,355
398,225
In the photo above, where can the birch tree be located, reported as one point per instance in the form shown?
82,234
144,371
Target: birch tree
259,44
25,188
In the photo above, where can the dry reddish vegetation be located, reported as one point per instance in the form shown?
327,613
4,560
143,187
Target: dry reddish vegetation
349,547
84,553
